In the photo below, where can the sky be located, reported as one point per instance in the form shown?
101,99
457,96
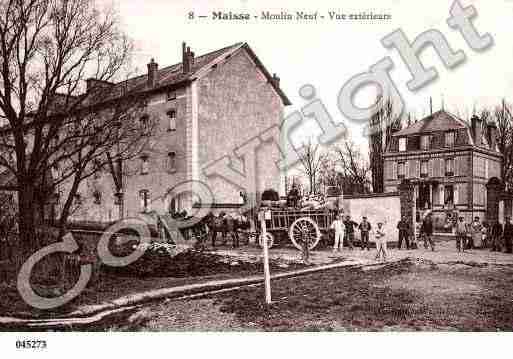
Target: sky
326,54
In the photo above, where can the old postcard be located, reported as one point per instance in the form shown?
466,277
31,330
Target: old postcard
254,166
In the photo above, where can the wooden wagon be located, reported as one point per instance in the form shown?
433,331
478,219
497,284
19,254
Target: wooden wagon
297,225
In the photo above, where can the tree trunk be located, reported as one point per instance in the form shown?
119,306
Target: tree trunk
27,241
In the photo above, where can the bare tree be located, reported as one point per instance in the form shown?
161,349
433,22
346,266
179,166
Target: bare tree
311,158
354,171
47,49
381,128
503,120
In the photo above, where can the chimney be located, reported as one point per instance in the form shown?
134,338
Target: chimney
276,80
492,135
153,69
187,58
477,130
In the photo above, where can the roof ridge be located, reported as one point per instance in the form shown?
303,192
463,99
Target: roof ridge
240,43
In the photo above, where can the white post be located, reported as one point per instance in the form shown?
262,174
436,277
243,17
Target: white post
267,273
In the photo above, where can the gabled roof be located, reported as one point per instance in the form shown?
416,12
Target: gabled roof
438,121
174,76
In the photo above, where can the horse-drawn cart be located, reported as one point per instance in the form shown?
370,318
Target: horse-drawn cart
298,225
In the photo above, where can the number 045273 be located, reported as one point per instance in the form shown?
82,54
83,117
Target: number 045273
31,344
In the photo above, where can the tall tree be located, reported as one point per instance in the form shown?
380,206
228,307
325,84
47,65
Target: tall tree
311,158
504,123
353,169
48,48
382,126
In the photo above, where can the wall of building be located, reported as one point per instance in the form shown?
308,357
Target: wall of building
235,104
377,208
159,179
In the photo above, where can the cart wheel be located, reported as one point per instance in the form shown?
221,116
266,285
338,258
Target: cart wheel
270,240
304,228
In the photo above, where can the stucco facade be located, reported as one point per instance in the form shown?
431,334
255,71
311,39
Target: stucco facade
227,99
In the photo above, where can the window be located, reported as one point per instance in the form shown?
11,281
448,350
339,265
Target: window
402,144
97,197
171,162
449,195
449,139
145,125
145,165
144,194
449,166
400,170
171,95
424,168
424,142
171,116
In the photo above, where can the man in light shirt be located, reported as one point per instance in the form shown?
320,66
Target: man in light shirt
339,228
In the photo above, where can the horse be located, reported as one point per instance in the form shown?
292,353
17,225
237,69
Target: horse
226,224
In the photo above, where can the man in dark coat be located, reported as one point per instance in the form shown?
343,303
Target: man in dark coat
496,234
427,231
404,231
508,235
364,228
349,233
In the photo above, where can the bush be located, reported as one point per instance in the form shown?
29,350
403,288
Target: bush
270,195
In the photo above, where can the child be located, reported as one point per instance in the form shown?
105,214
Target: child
381,242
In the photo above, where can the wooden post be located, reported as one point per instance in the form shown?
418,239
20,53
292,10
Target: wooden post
267,273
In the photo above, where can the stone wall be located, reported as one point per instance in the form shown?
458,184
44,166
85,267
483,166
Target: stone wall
384,208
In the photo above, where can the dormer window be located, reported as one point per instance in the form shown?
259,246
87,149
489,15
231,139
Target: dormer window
171,116
402,144
449,139
171,95
424,142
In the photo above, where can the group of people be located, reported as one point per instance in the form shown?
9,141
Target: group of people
344,229
473,235
494,235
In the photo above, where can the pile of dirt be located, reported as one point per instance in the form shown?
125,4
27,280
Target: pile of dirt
190,263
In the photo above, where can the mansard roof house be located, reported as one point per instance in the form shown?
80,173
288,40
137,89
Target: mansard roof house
448,161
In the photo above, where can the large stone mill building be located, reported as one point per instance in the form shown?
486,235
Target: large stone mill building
207,106
451,166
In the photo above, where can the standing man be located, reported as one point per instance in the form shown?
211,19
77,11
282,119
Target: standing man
339,228
461,233
381,243
508,235
496,233
427,230
349,237
404,231
364,228
475,233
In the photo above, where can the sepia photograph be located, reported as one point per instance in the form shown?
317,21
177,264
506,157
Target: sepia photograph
241,166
